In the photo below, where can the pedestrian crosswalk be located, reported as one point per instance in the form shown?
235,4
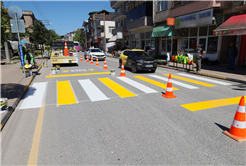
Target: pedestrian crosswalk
123,87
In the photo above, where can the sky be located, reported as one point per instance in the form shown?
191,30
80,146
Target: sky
64,16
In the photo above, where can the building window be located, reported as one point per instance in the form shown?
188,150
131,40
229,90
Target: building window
163,45
203,31
184,44
192,45
193,31
110,29
118,24
212,45
118,10
161,5
211,28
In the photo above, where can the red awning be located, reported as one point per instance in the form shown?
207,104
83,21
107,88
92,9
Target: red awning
235,25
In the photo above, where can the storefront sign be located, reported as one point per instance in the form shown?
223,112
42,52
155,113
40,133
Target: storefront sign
195,19
230,32
119,35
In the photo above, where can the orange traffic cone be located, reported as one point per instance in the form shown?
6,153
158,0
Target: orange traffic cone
122,73
92,60
169,91
81,59
105,65
87,59
97,63
66,51
238,127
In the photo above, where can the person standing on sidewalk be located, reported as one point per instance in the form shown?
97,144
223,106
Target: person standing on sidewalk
231,56
199,53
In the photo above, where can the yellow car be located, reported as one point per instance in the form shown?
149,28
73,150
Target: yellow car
137,59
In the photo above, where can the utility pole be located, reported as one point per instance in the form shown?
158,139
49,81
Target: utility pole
85,38
104,33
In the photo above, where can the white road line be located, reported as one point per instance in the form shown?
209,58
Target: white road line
92,91
34,96
137,85
175,82
204,79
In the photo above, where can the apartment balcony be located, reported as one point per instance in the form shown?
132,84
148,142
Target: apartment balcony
100,35
144,22
119,16
115,4
119,29
182,7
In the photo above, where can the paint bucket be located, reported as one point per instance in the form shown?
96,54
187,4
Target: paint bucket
26,73
30,72
112,72
53,69
4,104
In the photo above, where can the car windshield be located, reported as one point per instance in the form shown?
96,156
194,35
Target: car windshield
96,50
140,54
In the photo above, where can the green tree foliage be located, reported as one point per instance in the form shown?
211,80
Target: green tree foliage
5,25
79,37
51,35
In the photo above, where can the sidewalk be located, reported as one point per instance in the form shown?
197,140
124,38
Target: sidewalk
13,84
218,71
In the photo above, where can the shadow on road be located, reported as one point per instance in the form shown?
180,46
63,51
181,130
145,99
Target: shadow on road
222,127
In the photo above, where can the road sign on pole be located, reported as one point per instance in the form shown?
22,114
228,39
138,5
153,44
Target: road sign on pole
21,55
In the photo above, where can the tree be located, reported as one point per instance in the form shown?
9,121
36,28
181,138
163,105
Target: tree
79,37
52,35
5,25
38,34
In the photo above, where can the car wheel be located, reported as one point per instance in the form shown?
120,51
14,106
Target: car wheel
153,71
134,68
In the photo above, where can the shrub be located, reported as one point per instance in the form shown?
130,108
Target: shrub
47,48
38,52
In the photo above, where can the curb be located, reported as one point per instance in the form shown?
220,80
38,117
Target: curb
9,113
204,74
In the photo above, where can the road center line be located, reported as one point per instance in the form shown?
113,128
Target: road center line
33,156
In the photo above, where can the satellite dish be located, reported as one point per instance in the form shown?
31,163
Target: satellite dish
13,10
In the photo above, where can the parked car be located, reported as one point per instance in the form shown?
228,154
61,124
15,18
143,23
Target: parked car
136,60
95,52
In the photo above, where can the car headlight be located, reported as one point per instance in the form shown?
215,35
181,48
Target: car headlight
140,61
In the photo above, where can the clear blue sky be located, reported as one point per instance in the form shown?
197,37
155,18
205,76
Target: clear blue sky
65,16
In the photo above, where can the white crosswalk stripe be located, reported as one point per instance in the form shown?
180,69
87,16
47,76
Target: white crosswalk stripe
204,79
137,85
92,90
175,82
34,96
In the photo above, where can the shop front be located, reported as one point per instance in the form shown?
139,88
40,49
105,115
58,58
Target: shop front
197,28
233,30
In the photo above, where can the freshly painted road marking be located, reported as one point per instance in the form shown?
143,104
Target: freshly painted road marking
34,96
70,75
192,81
211,104
175,82
137,85
162,85
65,93
33,156
119,90
204,79
92,91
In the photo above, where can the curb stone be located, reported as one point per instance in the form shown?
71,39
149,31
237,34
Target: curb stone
11,110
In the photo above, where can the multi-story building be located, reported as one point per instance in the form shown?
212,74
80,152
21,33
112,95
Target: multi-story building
195,22
134,22
99,31
86,32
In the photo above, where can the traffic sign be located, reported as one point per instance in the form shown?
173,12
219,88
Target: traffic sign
21,55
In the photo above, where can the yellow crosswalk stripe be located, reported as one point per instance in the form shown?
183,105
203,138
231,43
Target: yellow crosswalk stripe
65,94
211,104
119,90
190,80
162,85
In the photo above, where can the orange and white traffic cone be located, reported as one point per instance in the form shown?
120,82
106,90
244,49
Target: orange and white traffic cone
81,59
238,127
122,73
66,51
92,60
87,59
97,63
169,91
105,65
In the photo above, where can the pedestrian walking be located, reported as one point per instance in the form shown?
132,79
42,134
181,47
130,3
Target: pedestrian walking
231,56
199,53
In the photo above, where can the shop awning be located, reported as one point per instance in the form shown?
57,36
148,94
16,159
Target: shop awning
165,31
235,25
113,38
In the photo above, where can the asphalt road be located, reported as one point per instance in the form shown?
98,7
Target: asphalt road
146,129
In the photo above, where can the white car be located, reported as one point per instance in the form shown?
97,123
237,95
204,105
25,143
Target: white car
94,53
